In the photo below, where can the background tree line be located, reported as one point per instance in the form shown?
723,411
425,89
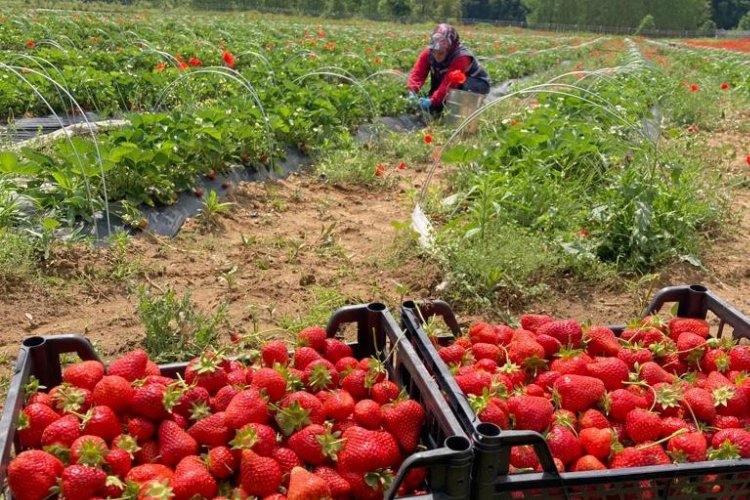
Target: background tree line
689,15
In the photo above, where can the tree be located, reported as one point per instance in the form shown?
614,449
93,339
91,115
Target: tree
395,8
727,13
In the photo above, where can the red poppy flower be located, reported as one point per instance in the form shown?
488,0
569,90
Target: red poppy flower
402,166
31,44
194,61
378,60
380,170
724,86
182,65
427,138
228,58
583,232
160,67
747,160
178,57
694,88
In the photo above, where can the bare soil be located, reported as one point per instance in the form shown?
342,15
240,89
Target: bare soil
289,245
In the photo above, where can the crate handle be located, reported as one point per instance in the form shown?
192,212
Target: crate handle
428,308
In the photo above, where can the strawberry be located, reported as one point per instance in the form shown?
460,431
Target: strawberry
274,351
206,371
345,365
731,444
523,457
579,392
597,442
367,486
304,485
452,354
384,392
404,420
474,383
149,472
338,485
259,476
287,460
335,349
119,462
530,412
670,425
303,356
269,382
691,347
367,451
141,429
587,463
312,336
211,431
653,374
130,366
174,443
715,360
547,379
628,457
192,478
593,418
481,350
339,406
69,398
297,410
700,403
320,375
221,462
654,454
80,482
102,421
563,444
62,432
246,407
567,332
113,391
367,414
551,345
696,326
620,402
690,447
526,352
488,411
601,341
483,332
532,322
315,445
88,450
148,402
633,355
220,402
257,437
32,422
44,468
642,425
612,371
486,365
84,374
739,358
571,362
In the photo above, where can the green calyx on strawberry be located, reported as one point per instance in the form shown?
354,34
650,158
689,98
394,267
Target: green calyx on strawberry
380,479
245,438
722,395
69,398
292,418
330,443
32,387
91,452
293,381
127,443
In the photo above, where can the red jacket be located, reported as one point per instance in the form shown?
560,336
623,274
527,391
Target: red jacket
421,69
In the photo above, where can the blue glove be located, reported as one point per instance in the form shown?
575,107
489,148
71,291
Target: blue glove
425,103
412,98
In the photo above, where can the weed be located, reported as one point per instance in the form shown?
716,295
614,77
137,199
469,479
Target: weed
17,258
174,329
229,277
324,302
212,209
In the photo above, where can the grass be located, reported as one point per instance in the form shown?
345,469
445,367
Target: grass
324,302
18,261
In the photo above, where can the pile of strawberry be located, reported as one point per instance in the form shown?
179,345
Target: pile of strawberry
320,424
665,391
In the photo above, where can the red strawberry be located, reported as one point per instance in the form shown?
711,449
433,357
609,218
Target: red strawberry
303,356
80,482
523,457
474,382
612,371
526,352
653,374
571,362
346,365
701,403
220,402
339,405
221,462
601,341
312,336
338,485
367,414
579,392
257,437
692,325
491,410
587,463
130,366
642,425
44,468
114,391
211,431
368,451
691,347
246,407
315,445
287,460
593,418
32,422
384,392
259,476
174,443
404,420
597,442
563,444
84,374
551,345
731,444
269,382
621,402
88,450
530,412
304,485
483,332
119,462
62,432
206,371
452,354
102,421
628,457
487,351
367,486
670,425
532,322
148,401
690,447
141,429
335,349
149,472
634,355
274,351
69,398
547,379
192,479
739,358
357,383
320,375
297,410
715,360
568,332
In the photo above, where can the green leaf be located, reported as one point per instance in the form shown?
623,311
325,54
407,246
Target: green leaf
461,154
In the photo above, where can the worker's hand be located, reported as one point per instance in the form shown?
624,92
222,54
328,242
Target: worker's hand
425,103
412,100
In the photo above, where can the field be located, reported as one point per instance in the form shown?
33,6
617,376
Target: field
610,168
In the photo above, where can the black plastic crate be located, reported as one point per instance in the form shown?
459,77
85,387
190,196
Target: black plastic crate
726,479
448,457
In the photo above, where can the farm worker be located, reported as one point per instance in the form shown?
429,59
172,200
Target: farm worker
450,65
